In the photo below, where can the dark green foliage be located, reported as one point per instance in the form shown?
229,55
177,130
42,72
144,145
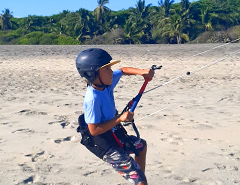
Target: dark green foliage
64,40
199,21
40,38
166,6
5,20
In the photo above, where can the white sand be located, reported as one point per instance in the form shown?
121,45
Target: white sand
194,141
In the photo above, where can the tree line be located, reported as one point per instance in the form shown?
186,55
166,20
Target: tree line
167,23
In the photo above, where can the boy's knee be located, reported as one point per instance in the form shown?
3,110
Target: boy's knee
143,151
144,142
145,147
143,183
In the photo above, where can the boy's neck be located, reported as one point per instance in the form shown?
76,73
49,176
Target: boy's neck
98,88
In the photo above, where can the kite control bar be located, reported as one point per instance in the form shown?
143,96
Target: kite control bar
133,103
138,97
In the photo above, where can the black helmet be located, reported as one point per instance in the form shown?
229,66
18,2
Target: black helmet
90,61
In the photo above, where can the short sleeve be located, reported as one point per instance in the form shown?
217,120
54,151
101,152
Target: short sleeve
92,112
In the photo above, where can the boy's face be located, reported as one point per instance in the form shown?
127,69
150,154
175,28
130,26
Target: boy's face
106,75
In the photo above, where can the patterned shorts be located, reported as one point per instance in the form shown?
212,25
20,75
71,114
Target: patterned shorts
124,164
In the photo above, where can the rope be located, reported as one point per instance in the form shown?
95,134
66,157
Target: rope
180,59
211,49
194,71
172,105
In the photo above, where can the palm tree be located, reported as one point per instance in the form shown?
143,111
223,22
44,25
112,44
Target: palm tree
70,24
139,22
178,26
133,33
173,29
185,4
5,20
142,10
30,22
85,26
210,19
101,10
166,5
206,19
224,20
187,16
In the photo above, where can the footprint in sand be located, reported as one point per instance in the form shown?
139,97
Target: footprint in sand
207,169
28,180
40,156
58,141
4,123
224,167
234,156
28,112
26,168
173,139
54,122
232,153
9,124
89,173
202,126
34,179
24,131
166,171
36,157
190,180
175,177
2,141
64,122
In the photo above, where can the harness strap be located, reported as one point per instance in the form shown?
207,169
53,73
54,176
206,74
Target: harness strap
116,138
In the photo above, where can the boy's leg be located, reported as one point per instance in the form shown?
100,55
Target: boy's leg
141,159
141,146
124,164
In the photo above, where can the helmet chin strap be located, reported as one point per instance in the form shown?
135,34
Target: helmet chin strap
102,84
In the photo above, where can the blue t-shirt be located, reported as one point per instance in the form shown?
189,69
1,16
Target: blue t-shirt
99,106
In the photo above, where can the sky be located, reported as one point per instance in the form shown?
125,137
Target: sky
23,8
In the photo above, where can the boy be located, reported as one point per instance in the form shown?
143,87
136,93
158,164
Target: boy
100,119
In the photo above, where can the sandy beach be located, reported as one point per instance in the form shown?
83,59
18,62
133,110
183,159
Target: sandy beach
193,139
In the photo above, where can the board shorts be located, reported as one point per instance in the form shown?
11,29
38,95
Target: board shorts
124,164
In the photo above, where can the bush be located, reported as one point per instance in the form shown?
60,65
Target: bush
48,39
218,36
116,36
30,39
98,40
158,38
64,40
234,33
3,39
40,38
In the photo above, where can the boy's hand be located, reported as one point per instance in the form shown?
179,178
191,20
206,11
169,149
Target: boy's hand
126,116
148,73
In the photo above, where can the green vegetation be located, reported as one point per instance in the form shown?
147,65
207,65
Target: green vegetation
197,22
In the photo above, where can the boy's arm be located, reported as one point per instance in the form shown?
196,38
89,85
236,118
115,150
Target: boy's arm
146,73
100,128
